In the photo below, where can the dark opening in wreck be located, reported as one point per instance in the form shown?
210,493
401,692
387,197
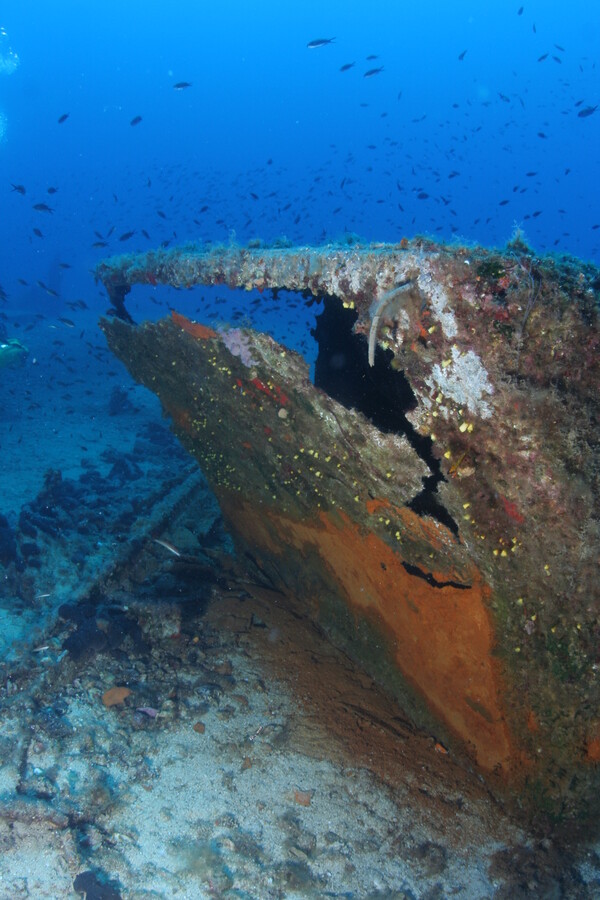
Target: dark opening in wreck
381,392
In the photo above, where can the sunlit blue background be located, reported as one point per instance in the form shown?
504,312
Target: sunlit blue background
273,139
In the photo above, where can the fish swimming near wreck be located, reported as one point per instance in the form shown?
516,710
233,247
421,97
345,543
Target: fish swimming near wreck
371,72
319,42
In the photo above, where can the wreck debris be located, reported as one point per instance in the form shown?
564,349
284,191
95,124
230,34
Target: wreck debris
436,504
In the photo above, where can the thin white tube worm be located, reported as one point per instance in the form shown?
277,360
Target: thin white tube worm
377,314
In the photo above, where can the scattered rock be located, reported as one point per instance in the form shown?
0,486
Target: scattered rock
303,798
89,885
8,546
116,695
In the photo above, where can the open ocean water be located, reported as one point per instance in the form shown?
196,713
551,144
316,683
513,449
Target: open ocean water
138,124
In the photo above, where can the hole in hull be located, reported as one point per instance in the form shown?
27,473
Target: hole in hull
381,393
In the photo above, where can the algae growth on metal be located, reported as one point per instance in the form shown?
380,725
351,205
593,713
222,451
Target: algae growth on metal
437,511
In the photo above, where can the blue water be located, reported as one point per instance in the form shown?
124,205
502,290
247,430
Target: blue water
132,124
275,140
473,127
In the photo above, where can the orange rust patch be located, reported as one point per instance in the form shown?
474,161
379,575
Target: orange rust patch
377,504
592,750
443,638
203,332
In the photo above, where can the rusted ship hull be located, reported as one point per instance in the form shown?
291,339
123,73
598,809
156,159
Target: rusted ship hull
474,600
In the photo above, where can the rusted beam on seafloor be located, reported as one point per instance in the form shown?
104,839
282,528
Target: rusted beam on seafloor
474,599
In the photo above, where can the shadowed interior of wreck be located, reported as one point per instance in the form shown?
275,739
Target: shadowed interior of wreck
379,392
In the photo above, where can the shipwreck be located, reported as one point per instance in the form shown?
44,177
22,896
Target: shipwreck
431,497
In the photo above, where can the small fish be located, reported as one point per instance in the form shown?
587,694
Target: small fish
346,66
319,42
126,235
182,85
372,56
38,233
68,322
542,57
48,290
136,120
51,190
147,710
100,244
520,10
19,188
587,111
63,118
167,546
371,72
462,55
43,207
